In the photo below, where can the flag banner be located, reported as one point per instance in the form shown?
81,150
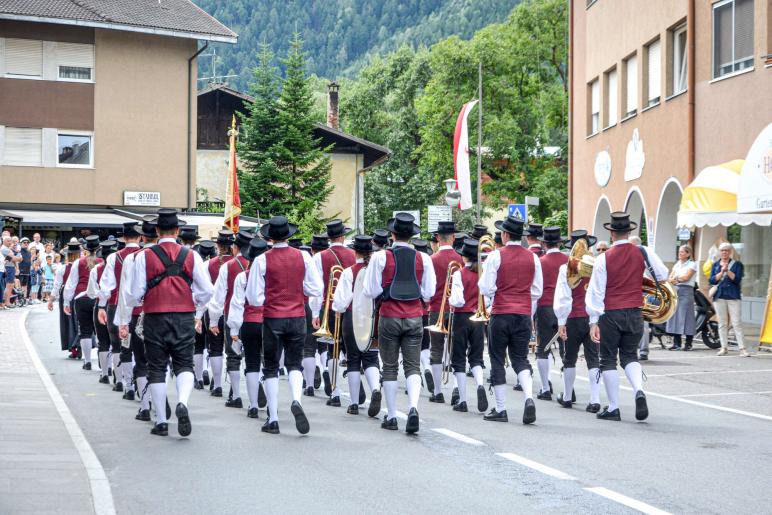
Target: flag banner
232,198
461,157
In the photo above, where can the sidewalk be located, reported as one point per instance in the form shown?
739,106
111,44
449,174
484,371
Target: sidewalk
40,468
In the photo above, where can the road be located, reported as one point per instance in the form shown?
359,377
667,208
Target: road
705,449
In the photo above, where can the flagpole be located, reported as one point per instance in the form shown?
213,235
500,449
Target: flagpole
479,140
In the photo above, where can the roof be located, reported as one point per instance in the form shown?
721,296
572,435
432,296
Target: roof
176,18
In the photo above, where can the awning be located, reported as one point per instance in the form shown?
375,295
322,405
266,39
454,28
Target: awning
711,199
755,189
66,219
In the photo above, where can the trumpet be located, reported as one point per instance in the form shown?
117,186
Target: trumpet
332,283
485,246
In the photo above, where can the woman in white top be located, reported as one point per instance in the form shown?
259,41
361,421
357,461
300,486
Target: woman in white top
683,276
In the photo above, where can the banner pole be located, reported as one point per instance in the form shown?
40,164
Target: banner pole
479,140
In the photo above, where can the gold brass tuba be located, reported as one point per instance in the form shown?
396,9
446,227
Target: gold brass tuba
659,304
332,283
580,263
485,246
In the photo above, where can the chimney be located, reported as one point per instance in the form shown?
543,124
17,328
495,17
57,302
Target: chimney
332,105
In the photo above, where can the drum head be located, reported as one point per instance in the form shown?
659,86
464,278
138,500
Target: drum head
362,314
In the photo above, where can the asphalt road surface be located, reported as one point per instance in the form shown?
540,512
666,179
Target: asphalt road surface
706,448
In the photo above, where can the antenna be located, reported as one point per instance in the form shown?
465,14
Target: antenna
213,78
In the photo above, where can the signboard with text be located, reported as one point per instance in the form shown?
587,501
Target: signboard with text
141,198
439,214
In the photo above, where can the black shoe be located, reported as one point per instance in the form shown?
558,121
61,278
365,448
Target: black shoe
389,423
104,380
327,383
518,387
143,415
529,412
234,403
438,398
309,392
544,396
550,383
643,357
317,378
609,415
183,420
482,399
129,395
86,366
565,404
168,409
198,385
261,400
334,402
412,422
301,421
252,413
206,377
469,373
573,395
217,392
362,395
641,407
211,386
353,409
270,427
375,404
118,387
429,380
160,429
592,408
674,347
687,347
496,416
454,397
460,406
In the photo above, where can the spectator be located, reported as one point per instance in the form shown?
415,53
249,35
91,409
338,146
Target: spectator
726,277
10,259
37,244
25,266
683,276
48,251
601,247
35,277
48,277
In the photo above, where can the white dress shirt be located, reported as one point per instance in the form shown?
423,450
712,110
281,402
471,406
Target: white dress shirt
374,275
312,281
58,278
92,289
216,304
344,292
108,283
563,301
457,295
236,310
489,276
72,282
596,290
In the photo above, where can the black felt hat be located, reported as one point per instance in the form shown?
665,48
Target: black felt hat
458,242
225,237
512,226
257,246
131,229
446,227
469,249
296,243
421,245
534,230
148,227
207,249
581,234
362,243
320,242
336,229
480,231
92,242
381,237
72,247
167,219
107,247
278,229
497,238
188,234
552,235
243,238
620,222
403,225
433,238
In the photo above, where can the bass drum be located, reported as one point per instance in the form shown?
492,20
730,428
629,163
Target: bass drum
362,314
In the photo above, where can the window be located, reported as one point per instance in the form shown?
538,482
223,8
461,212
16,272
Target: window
654,73
23,147
593,124
631,85
611,98
75,62
74,150
679,71
24,58
732,36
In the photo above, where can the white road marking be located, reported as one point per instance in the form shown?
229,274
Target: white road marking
627,501
101,494
544,469
725,393
457,436
716,372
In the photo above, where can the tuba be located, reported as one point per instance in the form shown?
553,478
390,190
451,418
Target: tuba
485,246
580,263
659,301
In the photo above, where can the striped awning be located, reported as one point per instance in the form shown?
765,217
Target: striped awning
711,199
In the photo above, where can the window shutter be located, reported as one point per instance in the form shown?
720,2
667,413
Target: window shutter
595,97
654,82
722,38
23,147
75,54
632,85
612,98
743,30
24,57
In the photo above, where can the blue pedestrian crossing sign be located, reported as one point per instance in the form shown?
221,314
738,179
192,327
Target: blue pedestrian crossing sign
519,211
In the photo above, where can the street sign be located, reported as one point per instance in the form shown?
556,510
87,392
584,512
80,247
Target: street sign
141,198
684,234
519,211
439,214
416,215
532,201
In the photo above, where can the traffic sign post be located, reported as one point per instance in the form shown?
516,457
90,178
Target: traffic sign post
438,214
519,211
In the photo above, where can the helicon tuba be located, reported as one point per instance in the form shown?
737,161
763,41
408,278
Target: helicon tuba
580,263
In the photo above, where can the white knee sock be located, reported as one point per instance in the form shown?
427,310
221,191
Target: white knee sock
323,359
235,378
216,371
437,376
354,380
144,392
544,373
425,356
461,381
500,393
373,378
103,363
635,376
198,366
128,375
253,384
569,376
413,389
184,386
611,380
309,367
477,373
390,389
85,346
296,384
593,374
116,361
272,396
158,392
526,381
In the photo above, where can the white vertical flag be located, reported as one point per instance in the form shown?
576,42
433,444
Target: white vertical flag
461,156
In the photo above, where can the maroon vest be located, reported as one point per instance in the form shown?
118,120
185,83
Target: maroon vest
441,261
624,277
471,291
66,274
83,272
513,282
345,258
401,308
252,314
550,267
539,251
578,294
117,269
171,295
234,269
284,273
214,266
100,270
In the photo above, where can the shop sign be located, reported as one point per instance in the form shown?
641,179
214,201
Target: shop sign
755,190
684,234
635,158
602,168
141,198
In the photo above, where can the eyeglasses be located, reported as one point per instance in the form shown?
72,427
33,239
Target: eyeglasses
602,249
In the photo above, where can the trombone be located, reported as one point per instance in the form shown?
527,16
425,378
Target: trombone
332,283
443,328
485,246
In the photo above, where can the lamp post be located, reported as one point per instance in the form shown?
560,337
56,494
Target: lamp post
452,195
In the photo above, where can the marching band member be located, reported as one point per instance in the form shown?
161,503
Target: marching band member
546,323
207,250
314,350
533,233
468,337
497,240
216,340
479,231
277,281
245,323
403,277
574,328
357,360
174,284
458,241
75,290
515,292
340,255
219,306
92,290
68,327
380,239
441,260
613,301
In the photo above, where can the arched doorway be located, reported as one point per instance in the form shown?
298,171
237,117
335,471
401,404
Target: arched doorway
666,232
602,215
635,208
